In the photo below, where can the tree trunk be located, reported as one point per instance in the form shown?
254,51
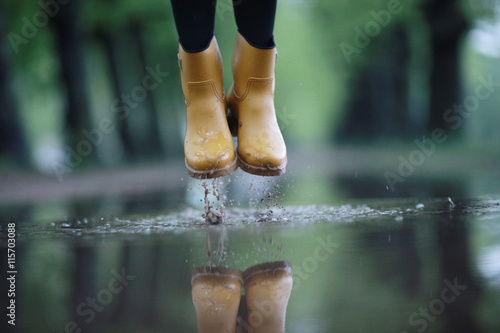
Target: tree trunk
454,252
112,52
153,139
71,46
400,80
84,275
378,107
447,23
12,140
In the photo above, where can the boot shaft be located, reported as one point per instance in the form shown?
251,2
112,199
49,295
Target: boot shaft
201,67
250,62
267,291
216,294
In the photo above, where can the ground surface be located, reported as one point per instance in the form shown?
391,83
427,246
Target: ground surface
365,259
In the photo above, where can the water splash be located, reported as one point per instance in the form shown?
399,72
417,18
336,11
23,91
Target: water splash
217,255
486,211
266,198
213,214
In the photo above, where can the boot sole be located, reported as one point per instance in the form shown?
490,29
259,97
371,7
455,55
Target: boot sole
221,272
213,173
267,268
261,171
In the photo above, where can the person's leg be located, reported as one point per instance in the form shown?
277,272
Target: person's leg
195,20
255,21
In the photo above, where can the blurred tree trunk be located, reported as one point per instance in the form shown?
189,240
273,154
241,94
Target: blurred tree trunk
84,284
71,46
153,139
454,253
448,24
378,105
113,51
12,140
401,79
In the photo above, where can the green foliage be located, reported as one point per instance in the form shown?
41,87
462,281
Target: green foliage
313,71
342,19
481,9
34,56
116,14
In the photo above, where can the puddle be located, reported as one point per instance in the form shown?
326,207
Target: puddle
370,265
373,213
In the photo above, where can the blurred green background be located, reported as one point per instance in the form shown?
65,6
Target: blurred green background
377,73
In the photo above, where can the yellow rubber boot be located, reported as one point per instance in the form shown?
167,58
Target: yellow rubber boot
267,291
208,146
216,293
261,148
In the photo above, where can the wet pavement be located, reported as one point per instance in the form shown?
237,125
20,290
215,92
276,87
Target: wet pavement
125,264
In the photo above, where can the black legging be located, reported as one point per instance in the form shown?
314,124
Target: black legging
195,20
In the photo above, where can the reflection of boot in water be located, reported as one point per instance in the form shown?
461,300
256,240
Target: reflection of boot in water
216,295
267,290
